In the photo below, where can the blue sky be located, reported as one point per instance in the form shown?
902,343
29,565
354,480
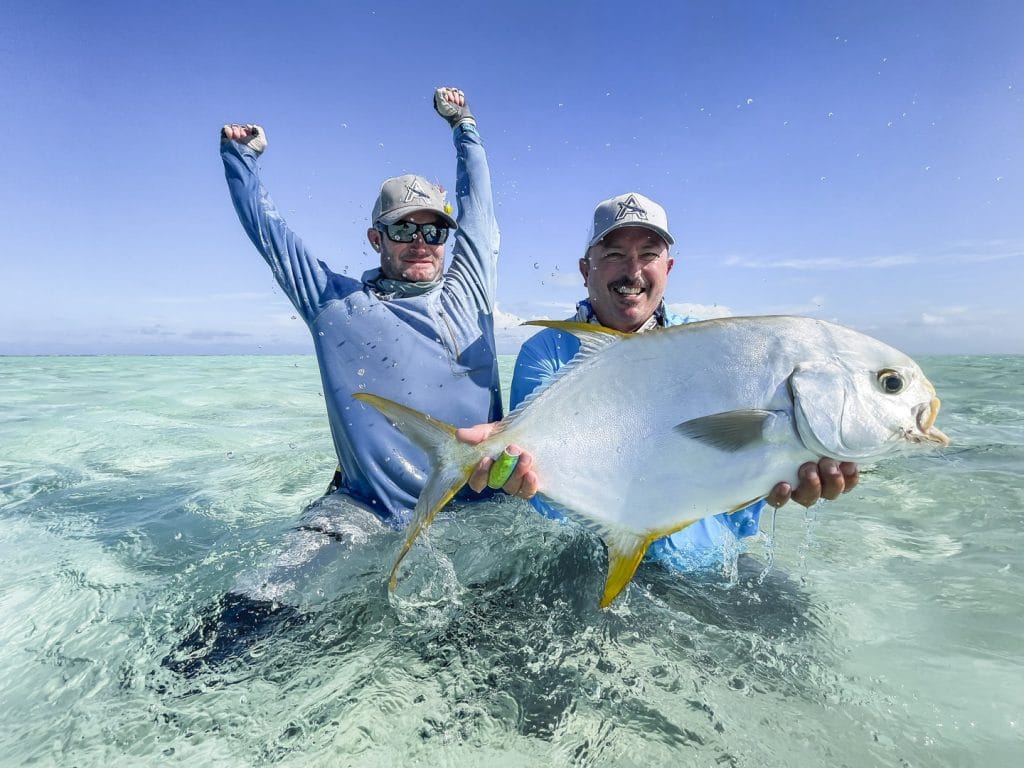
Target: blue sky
860,162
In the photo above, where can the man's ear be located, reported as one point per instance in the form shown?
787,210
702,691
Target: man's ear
585,269
373,235
671,263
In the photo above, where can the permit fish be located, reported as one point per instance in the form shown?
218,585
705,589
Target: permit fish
641,435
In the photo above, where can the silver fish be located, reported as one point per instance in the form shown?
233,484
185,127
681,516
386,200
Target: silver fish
644,434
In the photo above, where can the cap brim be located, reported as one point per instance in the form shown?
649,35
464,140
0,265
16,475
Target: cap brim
399,213
662,233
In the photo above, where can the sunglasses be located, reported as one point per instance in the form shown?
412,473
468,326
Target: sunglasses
404,231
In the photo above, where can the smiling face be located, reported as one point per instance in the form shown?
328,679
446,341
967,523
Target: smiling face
415,262
626,274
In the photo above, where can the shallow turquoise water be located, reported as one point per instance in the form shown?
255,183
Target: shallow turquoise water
135,491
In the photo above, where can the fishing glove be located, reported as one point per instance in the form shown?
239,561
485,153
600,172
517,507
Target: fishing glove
453,113
256,139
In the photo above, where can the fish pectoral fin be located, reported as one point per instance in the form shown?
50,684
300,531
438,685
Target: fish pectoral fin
625,551
729,431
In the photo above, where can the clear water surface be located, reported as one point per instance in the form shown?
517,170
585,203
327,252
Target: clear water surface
134,491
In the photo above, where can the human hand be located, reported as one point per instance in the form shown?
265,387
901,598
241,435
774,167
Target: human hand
450,103
523,480
827,479
253,136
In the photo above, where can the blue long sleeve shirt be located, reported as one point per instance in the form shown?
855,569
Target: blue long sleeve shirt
434,352
697,545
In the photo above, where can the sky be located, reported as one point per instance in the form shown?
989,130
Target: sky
857,162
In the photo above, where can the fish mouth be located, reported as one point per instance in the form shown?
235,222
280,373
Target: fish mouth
925,415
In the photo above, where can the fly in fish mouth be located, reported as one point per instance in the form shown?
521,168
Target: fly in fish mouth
926,413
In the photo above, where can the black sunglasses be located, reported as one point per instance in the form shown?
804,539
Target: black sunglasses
404,231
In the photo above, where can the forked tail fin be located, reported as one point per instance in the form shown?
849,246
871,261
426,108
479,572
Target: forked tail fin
451,464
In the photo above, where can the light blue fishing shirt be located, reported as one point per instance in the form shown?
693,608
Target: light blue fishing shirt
434,352
700,544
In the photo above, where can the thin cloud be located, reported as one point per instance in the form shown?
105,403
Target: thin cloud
959,253
831,263
701,311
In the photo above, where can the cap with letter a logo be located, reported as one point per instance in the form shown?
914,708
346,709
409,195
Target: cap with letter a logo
629,210
403,195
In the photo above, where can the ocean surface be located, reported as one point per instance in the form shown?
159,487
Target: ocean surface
883,629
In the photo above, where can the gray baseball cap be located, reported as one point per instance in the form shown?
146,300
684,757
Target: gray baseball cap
403,195
629,210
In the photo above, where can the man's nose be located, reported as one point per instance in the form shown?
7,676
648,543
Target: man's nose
634,266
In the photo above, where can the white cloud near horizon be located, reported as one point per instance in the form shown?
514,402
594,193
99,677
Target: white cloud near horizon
960,253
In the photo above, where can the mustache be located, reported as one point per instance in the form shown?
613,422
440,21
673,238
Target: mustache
627,282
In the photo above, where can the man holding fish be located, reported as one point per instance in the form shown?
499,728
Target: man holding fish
625,269
641,436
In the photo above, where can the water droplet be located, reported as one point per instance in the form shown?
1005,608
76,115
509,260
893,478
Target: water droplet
321,333
361,372
536,265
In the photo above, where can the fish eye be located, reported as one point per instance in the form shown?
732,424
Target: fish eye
891,382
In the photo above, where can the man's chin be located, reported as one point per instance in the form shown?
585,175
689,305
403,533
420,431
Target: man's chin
420,275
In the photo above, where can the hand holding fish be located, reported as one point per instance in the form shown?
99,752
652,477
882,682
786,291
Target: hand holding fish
523,480
827,479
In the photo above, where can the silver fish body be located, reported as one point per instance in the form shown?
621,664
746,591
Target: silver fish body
642,435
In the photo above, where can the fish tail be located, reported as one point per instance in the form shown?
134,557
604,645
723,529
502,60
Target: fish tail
451,464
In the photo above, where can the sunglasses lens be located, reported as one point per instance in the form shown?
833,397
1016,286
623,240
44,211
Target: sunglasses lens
402,232
433,234
405,231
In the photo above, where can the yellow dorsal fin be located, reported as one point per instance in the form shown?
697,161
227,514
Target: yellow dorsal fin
593,338
578,329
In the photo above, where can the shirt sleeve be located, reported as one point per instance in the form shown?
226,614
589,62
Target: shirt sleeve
302,278
474,266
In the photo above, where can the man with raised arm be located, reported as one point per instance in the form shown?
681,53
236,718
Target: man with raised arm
407,329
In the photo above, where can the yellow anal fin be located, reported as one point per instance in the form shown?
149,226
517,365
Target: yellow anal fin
624,556
625,551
